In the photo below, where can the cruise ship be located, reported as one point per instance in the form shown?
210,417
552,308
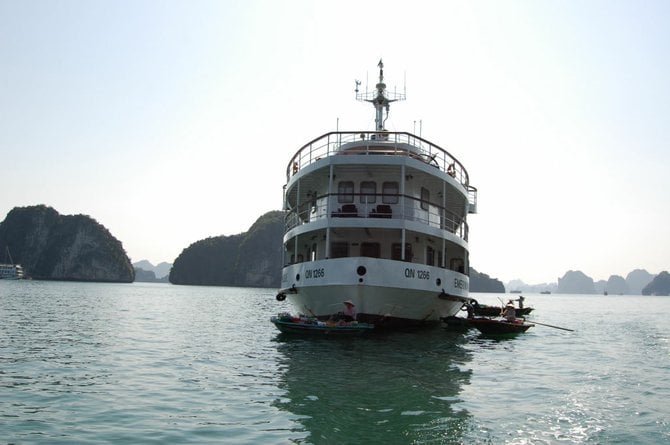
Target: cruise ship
377,218
10,271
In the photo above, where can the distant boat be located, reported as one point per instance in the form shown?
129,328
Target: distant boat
545,292
10,271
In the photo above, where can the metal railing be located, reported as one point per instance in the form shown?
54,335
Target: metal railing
377,143
406,208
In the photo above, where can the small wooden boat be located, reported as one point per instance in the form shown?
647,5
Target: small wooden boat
301,324
491,326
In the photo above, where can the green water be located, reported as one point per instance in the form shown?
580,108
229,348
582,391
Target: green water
154,363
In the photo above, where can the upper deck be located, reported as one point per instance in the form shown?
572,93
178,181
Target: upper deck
381,143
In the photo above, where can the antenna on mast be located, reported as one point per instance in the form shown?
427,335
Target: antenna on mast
379,98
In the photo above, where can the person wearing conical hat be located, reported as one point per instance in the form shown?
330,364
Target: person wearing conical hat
349,310
508,312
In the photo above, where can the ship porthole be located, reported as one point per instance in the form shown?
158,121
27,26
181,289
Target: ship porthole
360,280
361,270
297,277
438,281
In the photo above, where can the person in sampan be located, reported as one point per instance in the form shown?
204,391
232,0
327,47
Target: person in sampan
508,312
349,311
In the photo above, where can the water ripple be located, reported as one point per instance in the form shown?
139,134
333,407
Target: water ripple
98,363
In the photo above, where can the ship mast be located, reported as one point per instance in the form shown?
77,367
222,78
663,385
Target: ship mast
379,98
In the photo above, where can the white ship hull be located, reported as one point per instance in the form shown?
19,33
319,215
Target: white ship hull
384,291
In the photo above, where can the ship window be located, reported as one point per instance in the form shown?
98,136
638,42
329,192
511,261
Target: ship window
372,250
396,253
425,198
430,256
339,249
345,191
368,192
390,192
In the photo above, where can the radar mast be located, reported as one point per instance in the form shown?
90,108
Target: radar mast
379,98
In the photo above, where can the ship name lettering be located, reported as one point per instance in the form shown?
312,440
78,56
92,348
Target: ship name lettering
460,284
315,273
418,274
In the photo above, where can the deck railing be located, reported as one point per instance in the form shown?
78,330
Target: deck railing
377,143
407,208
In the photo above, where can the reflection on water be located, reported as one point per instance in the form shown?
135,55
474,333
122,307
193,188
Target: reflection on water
377,389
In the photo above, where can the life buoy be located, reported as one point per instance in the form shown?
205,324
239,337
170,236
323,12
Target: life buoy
451,170
281,297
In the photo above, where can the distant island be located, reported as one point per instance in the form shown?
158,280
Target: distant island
637,282
660,285
147,272
51,246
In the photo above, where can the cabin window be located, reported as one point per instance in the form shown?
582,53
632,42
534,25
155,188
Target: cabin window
368,192
430,256
440,259
372,250
345,192
390,192
396,253
339,249
425,198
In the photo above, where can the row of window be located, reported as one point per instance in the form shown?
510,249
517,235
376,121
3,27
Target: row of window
373,250
340,249
368,193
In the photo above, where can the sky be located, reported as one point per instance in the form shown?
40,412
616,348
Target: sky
173,121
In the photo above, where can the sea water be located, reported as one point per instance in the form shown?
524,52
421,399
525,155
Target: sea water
141,363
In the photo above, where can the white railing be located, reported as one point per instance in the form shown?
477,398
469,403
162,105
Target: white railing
407,208
378,143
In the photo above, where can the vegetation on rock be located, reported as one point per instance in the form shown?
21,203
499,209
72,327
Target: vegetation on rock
252,258
63,247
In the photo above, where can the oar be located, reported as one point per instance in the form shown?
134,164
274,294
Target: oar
550,326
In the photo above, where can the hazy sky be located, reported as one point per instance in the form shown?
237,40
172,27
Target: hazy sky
172,121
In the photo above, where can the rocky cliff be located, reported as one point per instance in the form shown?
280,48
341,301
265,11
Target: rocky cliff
481,282
252,258
660,285
52,246
637,280
575,282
